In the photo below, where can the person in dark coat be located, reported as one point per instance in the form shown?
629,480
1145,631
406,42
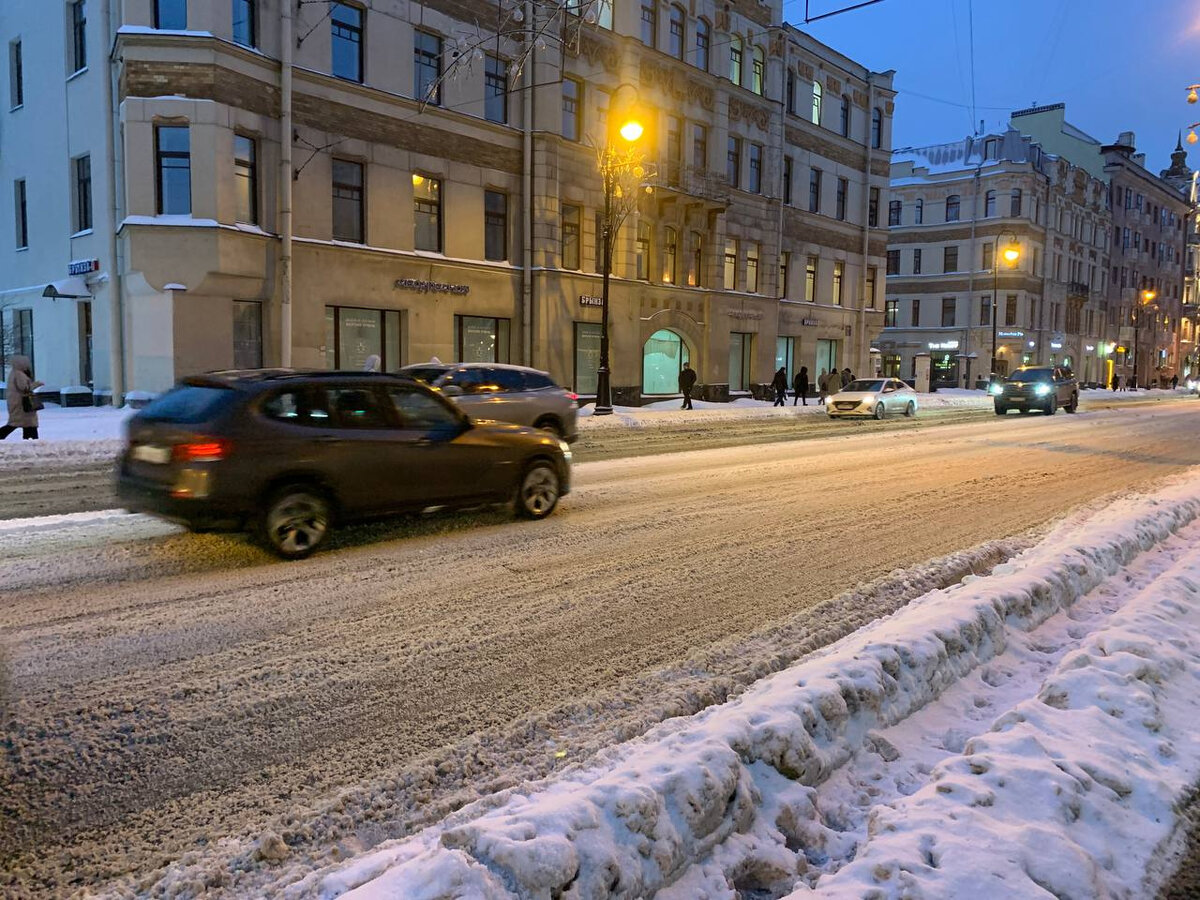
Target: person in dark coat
22,405
847,376
687,381
800,387
779,383
1174,382
1116,381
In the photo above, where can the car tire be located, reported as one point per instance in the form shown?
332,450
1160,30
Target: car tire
551,424
911,410
1001,410
295,521
1051,406
1073,406
538,490
880,411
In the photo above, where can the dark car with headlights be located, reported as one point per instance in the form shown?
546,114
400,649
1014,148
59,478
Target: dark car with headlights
1037,387
287,454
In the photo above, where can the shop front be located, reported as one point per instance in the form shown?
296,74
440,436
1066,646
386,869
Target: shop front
944,360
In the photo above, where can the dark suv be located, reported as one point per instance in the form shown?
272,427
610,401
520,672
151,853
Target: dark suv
289,453
1037,387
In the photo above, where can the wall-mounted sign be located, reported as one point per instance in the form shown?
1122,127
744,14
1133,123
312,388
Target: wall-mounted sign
943,345
1010,334
83,266
808,322
431,287
1089,347
743,314
589,300
1056,345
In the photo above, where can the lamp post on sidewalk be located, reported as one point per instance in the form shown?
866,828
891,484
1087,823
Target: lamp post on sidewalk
1147,298
1011,254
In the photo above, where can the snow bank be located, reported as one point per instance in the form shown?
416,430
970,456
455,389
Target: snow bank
724,801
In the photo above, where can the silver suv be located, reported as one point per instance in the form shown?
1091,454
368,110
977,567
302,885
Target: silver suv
505,393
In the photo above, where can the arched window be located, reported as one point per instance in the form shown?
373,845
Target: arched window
696,264
952,208
758,74
670,251
816,110
663,357
845,117
919,212
989,204
675,37
735,59
876,128
703,41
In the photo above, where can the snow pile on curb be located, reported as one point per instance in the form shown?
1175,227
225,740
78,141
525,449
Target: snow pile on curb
733,785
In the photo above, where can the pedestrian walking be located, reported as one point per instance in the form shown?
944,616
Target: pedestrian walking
1124,382
847,376
779,383
23,406
1116,381
687,381
822,388
800,387
1174,382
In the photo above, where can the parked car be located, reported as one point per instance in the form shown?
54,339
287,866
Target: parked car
505,393
1037,387
872,397
288,454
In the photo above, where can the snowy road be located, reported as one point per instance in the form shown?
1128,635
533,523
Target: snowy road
163,691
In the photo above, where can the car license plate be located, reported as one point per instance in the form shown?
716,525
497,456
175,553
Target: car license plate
149,453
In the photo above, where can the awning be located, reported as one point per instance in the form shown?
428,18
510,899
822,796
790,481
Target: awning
73,288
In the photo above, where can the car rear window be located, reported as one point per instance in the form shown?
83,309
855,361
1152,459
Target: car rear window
427,374
538,380
1032,375
187,403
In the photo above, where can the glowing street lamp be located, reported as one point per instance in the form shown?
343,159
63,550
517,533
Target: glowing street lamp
1011,254
1147,298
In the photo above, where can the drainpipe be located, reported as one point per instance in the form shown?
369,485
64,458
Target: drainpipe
966,350
863,346
782,288
1047,249
527,202
116,303
285,186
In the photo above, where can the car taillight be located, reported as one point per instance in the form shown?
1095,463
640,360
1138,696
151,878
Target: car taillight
572,396
201,451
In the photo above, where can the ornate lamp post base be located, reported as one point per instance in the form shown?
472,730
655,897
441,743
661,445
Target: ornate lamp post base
603,393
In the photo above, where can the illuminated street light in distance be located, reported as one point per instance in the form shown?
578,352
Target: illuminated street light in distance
632,130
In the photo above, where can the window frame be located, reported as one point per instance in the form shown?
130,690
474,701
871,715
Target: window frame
648,23
758,71
16,74
839,282
251,9
949,305
436,205
752,266
812,268
676,31
729,265
818,102
755,166
572,107
160,155
355,36
895,212
956,206
840,198
171,8
814,190
495,221
81,184
572,225
703,44
360,188
844,114
249,173
876,128
891,310
21,213
736,59
78,46
427,60
733,162
491,95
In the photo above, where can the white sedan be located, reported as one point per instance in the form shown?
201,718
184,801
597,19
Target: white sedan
876,397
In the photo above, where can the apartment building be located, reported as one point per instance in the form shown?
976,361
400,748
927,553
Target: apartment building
954,209
250,182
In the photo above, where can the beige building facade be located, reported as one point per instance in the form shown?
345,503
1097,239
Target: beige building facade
401,187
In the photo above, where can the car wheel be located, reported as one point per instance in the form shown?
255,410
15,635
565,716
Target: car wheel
1051,406
911,409
295,521
551,424
538,490
1073,406
880,412
1001,410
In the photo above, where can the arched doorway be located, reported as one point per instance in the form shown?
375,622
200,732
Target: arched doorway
662,358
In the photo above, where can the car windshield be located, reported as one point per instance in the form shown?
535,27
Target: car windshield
863,386
188,403
427,374
1027,375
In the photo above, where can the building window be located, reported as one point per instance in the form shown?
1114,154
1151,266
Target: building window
696,269
816,104
839,271
891,365
641,252
247,334
730,282
245,178
756,151
919,212
950,259
21,211
353,335
16,76
989,204
572,109
495,90
587,356
427,213
990,148
785,264
988,255
245,24
917,261
86,342
758,71
676,32
674,149
915,313
1014,203
842,188
733,162
873,208
985,311
21,341
739,360
172,149
703,43
346,24
83,193
894,210
871,273
890,309
814,191
348,201
78,35
893,262
752,268
845,116
876,128
495,225
948,304
427,67
170,15
785,353
735,59
649,22
481,339
790,92
700,148
670,255
810,279
570,237
952,208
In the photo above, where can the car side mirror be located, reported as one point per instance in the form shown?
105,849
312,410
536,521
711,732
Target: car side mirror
452,390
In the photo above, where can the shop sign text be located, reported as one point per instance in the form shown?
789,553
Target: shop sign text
431,287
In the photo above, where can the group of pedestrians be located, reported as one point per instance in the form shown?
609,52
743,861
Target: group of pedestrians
830,382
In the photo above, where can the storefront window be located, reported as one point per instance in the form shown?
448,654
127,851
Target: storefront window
944,369
352,335
480,339
827,356
739,360
891,365
663,357
587,356
785,353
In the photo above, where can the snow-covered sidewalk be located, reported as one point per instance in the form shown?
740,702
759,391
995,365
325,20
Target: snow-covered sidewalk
1021,734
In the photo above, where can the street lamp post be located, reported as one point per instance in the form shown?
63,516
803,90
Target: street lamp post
603,383
1147,298
1011,253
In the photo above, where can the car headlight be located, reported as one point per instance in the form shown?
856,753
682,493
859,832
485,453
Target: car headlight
996,389
1042,390
565,447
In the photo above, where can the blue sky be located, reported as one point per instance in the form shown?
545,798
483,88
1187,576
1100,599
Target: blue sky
1118,66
